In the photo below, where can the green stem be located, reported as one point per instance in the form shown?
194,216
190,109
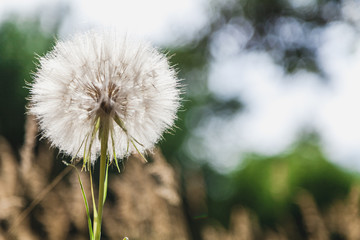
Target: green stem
104,136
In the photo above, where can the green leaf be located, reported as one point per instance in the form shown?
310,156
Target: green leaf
121,124
114,152
138,150
85,201
92,195
87,157
106,181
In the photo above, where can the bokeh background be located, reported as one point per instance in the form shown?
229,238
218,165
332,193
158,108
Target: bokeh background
269,130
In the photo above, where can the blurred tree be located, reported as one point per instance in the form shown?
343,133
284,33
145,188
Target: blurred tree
20,43
267,184
280,27
270,184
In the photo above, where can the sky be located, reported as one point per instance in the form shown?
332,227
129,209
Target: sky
278,105
161,21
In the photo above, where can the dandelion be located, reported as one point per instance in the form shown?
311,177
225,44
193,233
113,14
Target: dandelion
108,76
104,94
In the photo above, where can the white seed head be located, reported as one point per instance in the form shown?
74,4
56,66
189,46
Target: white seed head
104,74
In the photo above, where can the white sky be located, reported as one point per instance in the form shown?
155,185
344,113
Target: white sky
278,105
160,21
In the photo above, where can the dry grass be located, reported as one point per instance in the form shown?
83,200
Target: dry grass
144,201
340,221
37,202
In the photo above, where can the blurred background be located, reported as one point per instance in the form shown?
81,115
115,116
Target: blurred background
267,144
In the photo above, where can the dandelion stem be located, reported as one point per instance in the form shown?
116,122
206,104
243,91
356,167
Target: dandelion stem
104,136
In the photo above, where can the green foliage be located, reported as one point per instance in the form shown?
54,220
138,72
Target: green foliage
267,184
20,42
270,185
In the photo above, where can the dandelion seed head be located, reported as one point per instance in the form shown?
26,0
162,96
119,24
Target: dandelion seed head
108,75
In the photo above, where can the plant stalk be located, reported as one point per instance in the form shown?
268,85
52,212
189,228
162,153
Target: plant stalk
104,136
